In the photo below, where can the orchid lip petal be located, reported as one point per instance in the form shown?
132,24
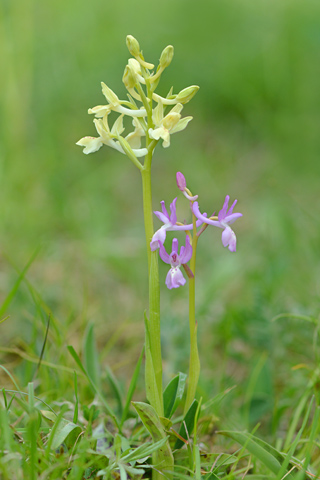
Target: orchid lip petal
226,236
229,239
175,278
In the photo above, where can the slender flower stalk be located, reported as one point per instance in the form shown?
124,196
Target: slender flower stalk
194,361
155,397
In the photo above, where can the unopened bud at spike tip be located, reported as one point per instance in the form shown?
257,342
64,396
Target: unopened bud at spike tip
181,181
187,93
166,56
133,45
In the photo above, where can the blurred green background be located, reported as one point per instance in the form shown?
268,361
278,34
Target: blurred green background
255,136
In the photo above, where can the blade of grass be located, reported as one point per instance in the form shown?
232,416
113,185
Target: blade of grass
143,451
32,429
24,393
314,431
116,389
13,381
268,455
98,392
76,405
15,287
42,349
4,319
217,398
293,447
295,419
22,354
132,388
90,356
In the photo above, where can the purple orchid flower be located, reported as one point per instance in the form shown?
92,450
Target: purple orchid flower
174,277
169,222
225,218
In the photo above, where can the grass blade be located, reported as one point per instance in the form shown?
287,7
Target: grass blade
96,389
116,389
268,455
90,356
15,287
43,347
132,388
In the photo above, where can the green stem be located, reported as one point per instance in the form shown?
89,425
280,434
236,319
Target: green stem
194,362
154,361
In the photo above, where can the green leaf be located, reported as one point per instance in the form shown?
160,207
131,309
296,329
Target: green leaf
173,394
62,431
67,432
76,359
162,457
123,475
187,425
268,455
143,451
134,471
90,356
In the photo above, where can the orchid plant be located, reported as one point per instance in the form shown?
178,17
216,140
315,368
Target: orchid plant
156,118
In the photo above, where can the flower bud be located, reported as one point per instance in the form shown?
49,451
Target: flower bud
135,66
187,93
134,49
133,45
181,181
129,79
166,57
